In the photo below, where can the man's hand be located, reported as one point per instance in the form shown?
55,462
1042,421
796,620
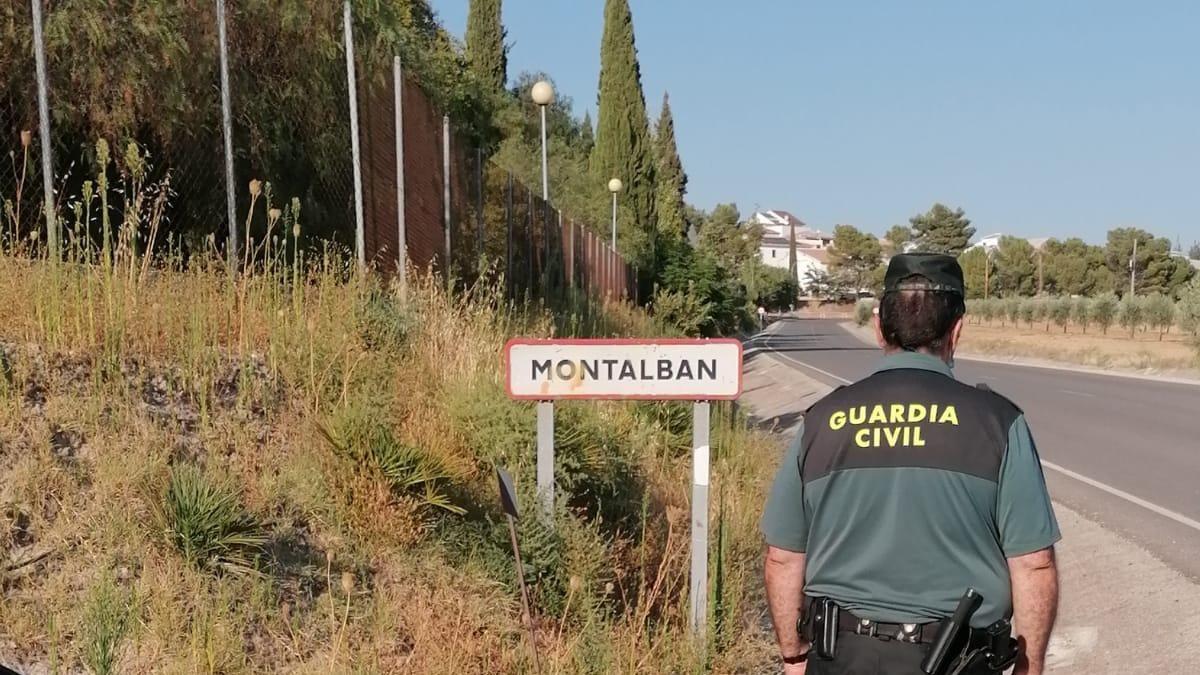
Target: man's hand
1035,606
784,575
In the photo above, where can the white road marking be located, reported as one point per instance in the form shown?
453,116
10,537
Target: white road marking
1116,492
1077,393
1121,494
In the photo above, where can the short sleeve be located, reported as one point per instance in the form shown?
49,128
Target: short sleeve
784,521
1024,514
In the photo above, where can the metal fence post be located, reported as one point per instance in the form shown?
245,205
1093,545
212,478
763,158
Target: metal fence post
446,191
39,54
352,84
401,226
509,277
479,202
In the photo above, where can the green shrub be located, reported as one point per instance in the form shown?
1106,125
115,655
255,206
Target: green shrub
1012,309
205,521
1104,310
106,619
1081,312
1131,313
863,309
358,433
1060,312
1160,313
1028,308
381,322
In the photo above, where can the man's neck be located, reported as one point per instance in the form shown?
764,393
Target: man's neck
945,358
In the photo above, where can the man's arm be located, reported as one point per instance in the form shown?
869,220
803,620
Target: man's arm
1035,605
784,573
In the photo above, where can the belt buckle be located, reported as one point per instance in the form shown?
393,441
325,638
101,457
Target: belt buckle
907,633
865,627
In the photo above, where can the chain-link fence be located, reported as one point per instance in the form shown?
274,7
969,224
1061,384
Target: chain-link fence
136,124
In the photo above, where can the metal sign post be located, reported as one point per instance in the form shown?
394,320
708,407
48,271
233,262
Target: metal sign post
545,458
657,370
698,589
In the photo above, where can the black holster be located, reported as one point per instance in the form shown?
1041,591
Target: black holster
819,625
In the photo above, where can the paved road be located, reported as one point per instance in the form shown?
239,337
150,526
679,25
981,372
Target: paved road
1125,452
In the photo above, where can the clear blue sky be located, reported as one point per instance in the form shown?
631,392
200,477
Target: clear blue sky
1061,118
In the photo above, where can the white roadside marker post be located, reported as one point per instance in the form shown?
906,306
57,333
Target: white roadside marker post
698,590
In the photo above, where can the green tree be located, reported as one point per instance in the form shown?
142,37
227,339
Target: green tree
1016,271
486,52
1189,308
1074,267
731,245
1081,312
1041,311
973,261
777,290
624,148
942,230
1160,313
854,255
1060,311
1131,313
1028,309
896,239
1194,251
1104,310
1155,269
1012,310
671,179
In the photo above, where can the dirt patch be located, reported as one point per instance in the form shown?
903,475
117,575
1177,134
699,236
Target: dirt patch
1115,350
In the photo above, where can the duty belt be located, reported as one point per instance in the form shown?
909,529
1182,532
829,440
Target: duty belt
916,633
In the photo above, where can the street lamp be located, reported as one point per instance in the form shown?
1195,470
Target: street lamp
543,95
614,186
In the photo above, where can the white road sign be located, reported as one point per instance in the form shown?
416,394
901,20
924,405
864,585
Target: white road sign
699,370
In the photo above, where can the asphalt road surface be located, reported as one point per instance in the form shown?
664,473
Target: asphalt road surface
1123,451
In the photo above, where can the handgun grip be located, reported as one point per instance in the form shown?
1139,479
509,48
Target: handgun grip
935,660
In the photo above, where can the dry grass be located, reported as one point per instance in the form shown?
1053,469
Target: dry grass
114,377
1145,351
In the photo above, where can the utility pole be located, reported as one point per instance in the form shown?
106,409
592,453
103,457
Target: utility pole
1041,276
1133,270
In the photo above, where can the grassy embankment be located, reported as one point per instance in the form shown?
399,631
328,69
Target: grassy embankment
292,472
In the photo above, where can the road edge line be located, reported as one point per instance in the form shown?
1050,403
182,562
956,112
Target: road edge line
1121,494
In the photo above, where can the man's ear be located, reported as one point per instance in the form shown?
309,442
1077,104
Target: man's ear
956,334
878,329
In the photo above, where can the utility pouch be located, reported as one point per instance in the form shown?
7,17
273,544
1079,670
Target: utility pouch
1002,648
825,628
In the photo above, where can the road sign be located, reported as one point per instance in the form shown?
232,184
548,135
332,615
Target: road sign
696,370
690,370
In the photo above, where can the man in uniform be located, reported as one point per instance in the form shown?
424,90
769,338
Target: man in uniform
903,490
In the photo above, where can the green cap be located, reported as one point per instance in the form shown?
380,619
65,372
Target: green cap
940,272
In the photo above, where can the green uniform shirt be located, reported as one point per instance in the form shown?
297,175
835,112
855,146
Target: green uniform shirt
907,488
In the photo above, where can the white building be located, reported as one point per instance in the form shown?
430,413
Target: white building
992,242
811,245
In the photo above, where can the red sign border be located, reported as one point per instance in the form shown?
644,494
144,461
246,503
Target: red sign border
618,341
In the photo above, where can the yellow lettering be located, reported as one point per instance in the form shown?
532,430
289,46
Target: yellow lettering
893,435
837,420
933,413
907,435
897,413
878,416
949,416
916,412
862,438
917,441
860,417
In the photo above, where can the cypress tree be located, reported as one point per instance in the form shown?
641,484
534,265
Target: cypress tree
623,146
587,136
486,52
671,180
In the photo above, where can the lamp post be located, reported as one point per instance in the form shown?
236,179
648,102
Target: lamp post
543,95
614,186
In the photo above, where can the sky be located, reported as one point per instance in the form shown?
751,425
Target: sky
1062,118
